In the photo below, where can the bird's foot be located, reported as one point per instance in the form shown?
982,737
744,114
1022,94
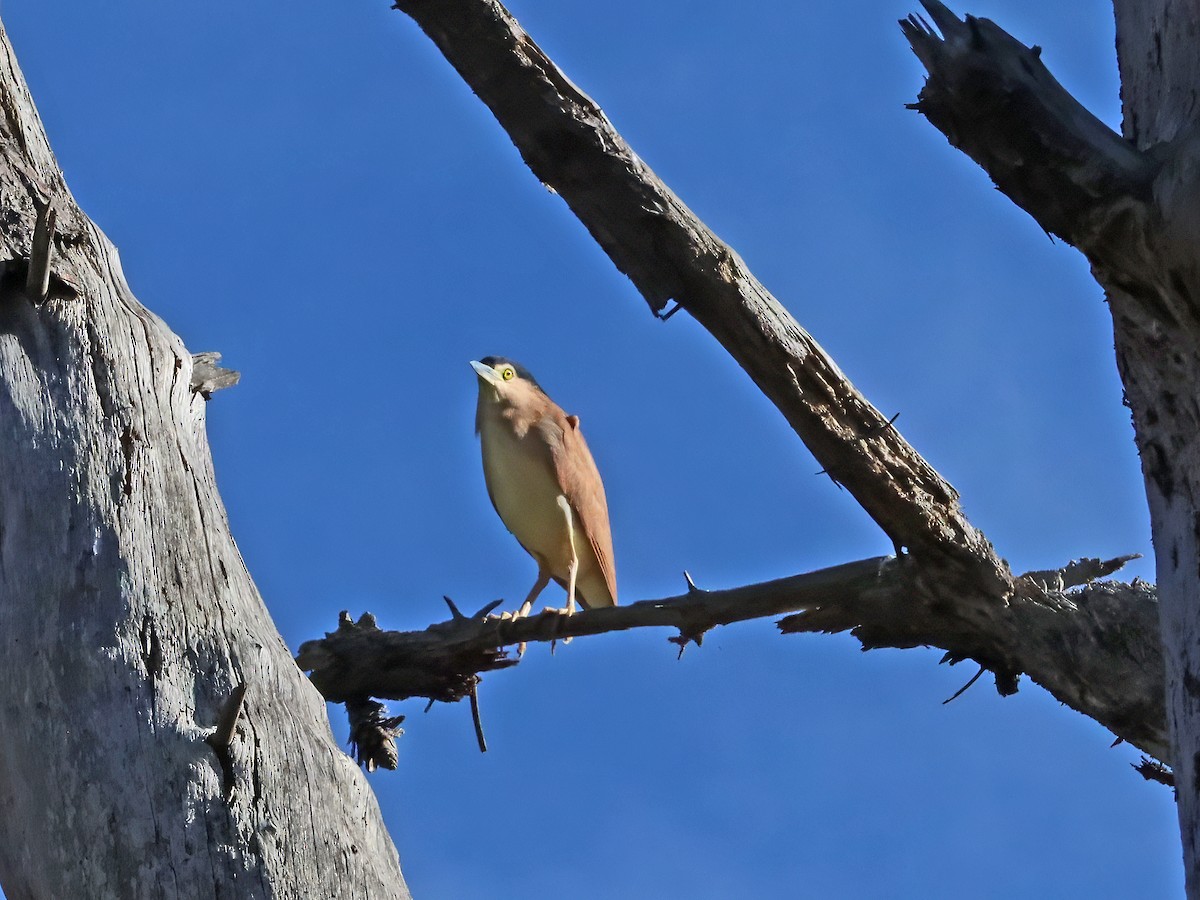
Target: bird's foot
513,616
564,613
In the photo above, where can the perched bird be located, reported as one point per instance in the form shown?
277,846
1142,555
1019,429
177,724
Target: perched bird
544,485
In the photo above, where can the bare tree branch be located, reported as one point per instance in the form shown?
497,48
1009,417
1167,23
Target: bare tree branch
1130,211
1096,649
360,660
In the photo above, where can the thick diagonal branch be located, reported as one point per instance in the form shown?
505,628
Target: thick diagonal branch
669,254
1095,649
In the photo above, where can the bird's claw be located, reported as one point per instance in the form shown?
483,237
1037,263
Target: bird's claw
563,612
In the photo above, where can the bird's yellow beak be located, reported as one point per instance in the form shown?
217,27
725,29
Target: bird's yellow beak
487,374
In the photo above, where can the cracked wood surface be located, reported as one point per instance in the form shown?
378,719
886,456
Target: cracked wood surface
127,617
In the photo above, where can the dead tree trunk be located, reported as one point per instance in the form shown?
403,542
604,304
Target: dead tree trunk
127,619
1154,293
1130,204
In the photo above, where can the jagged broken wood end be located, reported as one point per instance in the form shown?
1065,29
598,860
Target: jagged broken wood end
208,377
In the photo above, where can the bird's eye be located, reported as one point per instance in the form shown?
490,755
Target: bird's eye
508,374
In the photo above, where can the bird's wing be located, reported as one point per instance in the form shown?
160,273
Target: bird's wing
576,472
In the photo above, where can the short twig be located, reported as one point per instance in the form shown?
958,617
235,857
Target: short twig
485,611
686,637
1078,572
832,478
208,377
457,615
373,734
662,317
475,716
1153,770
37,279
877,428
962,690
222,737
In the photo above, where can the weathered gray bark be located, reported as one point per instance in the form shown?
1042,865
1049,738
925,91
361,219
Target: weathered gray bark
1155,301
1132,205
127,618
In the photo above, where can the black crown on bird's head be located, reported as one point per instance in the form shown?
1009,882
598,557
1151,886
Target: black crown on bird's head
523,373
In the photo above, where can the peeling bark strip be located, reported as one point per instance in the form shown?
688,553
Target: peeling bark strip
1095,649
208,377
1130,204
669,254
126,616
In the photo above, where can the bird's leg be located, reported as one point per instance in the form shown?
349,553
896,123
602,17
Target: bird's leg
572,572
543,579
573,565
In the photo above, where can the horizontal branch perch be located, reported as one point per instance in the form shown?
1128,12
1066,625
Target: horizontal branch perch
1095,649
360,660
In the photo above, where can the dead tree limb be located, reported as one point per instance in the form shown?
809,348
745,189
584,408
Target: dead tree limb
995,100
1095,649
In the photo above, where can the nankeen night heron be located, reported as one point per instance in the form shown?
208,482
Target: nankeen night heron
544,485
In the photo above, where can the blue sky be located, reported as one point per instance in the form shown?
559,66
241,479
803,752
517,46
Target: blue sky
311,190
